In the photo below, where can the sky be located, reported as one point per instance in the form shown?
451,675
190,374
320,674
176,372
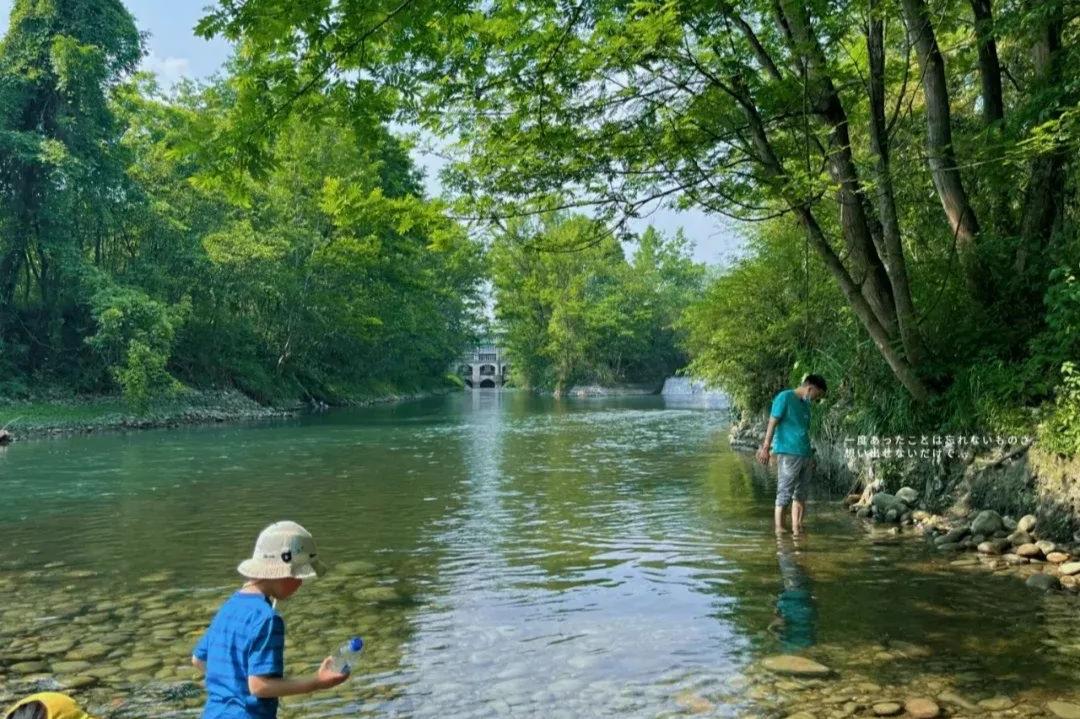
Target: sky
176,52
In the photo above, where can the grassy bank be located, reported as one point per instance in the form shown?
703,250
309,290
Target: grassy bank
43,417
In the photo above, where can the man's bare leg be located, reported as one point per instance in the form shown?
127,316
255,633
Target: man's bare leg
778,519
798,509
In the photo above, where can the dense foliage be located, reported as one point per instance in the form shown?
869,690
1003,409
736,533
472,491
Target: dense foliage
128,261
574,310
922,149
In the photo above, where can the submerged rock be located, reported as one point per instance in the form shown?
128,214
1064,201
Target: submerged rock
922,708
1064,710
1045,582
886,709
795,666
998,703
957,700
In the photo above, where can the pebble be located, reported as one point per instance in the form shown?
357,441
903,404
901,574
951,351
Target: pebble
886,709
28,667
922,708
80,681
998,703
57,646
1070,568
140,664
1057,557
1027,523
795,666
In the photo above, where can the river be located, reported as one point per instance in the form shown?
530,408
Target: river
502,554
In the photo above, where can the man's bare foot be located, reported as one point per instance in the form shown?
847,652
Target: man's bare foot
780,530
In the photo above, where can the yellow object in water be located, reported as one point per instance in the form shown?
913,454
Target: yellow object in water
54,705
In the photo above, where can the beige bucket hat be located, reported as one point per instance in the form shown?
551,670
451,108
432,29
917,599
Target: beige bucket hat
284,549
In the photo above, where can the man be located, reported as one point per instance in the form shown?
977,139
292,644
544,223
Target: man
788,435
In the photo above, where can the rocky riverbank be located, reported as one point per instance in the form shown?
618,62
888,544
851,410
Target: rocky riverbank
965,504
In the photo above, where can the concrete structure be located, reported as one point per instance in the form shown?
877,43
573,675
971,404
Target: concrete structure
485,367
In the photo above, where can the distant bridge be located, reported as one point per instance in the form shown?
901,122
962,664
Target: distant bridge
485,367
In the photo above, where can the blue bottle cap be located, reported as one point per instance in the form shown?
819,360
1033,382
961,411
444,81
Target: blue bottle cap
356,644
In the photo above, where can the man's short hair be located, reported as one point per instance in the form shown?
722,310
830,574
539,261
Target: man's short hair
816,380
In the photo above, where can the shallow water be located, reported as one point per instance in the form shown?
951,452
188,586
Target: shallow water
503,555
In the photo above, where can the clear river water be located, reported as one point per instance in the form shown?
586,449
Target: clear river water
503,555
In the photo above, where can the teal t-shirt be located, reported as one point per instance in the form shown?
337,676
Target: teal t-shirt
792,433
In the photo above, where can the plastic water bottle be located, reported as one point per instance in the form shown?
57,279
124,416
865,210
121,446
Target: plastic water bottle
347,655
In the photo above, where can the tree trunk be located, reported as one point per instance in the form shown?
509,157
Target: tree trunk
1043,196
774,171
989,66
941,157
869,271
885,196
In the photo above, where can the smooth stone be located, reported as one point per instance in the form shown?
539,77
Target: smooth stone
998,703
80,681
1011,558
1009,523
886,709
140,664
1064,710
1046,546
1044,582
795,666
88,651
986,522
922,708
694,703
1028,550
992,546
70,667
57,646
28,667
1070,568
1017,538
1070,581
953,535
1027,523
907,495
1057,557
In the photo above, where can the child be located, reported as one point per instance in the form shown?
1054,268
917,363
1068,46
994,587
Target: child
242,651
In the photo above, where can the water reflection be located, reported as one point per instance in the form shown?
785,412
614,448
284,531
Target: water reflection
796,608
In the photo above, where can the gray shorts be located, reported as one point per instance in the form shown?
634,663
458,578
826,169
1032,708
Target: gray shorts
792,478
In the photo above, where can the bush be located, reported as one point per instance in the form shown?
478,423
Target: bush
1060,431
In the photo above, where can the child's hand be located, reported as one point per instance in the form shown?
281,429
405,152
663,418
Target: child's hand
327,677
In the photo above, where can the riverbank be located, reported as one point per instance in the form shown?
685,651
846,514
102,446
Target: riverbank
37,419
1009,509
